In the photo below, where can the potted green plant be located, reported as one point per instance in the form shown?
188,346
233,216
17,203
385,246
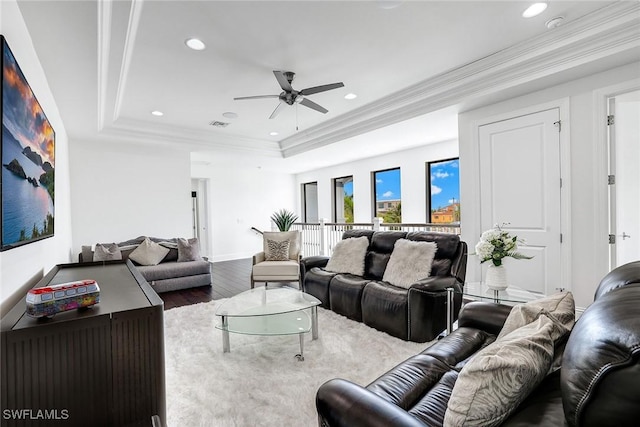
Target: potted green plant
283,219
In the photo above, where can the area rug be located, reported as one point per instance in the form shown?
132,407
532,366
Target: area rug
260,382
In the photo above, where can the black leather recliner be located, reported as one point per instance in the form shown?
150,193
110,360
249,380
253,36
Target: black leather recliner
416,314
598,384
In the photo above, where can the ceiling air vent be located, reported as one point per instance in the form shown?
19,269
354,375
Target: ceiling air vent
218,124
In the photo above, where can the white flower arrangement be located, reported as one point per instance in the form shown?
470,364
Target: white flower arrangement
496,244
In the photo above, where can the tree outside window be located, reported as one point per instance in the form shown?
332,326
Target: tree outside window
387,204
443,191
343,200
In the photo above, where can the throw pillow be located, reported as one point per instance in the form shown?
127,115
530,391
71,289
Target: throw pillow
148,253
87,253
500,376
107,252
188,250
294,238
559,305
278,251
348,256
409,262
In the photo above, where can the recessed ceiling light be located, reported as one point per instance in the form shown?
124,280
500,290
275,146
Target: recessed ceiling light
534,10
350,96
195,44
157,113
273,133
230,115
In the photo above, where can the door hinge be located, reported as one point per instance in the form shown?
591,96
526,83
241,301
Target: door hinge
612,239
611,179
560,237
560,182
611,120
558,124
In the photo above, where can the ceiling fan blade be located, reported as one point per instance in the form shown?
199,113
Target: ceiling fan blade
279,108
323,88
308,103
282,80
256,97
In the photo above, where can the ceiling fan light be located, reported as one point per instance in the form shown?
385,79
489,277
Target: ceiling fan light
289,96
195,44
273,133
350,96
534,10
157,113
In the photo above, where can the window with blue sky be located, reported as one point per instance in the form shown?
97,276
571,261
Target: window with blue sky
386,184
443,196
343,199
348,188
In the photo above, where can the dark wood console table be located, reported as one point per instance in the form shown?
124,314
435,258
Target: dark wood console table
103,366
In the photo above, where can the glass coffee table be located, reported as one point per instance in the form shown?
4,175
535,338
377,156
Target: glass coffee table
269,311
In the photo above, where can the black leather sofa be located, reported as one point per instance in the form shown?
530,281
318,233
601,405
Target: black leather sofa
416,314
598,383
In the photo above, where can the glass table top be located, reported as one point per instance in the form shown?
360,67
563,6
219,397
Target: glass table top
263,301
510,296
268,311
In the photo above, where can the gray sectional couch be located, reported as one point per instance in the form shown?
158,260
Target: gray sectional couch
169,274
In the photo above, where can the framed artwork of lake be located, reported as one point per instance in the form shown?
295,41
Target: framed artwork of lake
27,149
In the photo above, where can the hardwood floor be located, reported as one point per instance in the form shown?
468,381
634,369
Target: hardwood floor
229,278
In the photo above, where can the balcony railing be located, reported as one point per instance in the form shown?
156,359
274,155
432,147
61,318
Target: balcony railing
320,238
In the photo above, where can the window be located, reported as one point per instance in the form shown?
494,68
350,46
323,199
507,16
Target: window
443,194
386,190
343,200
310,202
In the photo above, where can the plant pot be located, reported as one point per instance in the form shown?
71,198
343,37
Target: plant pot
496,277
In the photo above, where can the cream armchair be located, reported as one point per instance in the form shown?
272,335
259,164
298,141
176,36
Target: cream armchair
279,260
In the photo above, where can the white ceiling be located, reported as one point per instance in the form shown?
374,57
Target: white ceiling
110,63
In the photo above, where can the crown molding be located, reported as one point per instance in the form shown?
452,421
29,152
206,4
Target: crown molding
605,32
104,48
122,129
152,133
129,43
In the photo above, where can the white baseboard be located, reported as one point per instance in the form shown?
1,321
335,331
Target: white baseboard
579,311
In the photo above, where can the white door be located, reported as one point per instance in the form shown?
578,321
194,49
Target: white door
520,187
624,188
200,214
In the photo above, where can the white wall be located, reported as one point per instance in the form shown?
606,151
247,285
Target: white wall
121,191
241,198
587,206
413,181
22,266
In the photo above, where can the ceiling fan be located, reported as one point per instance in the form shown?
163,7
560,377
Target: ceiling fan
289,96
